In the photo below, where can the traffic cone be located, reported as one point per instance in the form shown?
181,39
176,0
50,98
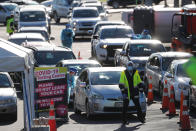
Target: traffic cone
165,98
150,91
172,108
181,105
79,55
52,121
185,123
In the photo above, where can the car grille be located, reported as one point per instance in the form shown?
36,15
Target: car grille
87,23
118,109
86,29
111,51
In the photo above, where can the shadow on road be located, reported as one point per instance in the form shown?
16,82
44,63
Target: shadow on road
83,39
59,24
6,119
102,119
124,128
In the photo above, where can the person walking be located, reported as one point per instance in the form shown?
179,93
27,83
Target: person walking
130,83
10,25
67,35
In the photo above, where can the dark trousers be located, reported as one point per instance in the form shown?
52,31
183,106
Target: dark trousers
125,108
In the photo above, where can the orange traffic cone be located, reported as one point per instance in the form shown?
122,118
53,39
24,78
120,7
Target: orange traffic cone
165,98
181,105
150,91
52,121
185,123
172,108
79,55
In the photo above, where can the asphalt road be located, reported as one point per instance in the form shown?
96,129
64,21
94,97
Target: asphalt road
155,119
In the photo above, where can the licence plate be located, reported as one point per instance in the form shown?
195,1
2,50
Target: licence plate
118,104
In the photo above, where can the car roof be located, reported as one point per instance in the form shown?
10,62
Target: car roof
8,4
48,47
105,69
173,54
26,35
84,8
110,22
144,41
177,62
32,8
34,28
82,61
92,4
38,43
115,26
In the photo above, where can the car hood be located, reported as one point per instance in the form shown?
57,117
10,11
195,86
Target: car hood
184,80
7,92
115,41
40,23
106,89
90,19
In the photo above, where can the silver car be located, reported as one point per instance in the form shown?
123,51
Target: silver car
97,92
8,97
6,10
84,19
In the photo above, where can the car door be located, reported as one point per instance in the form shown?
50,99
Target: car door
157,73
2,14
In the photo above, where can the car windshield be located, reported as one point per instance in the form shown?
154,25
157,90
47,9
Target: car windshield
100,25
32,16
180,71
85,13
20,41
52,57
166,61
43,33
4,81
80,67
145,49
116,33
105,78
99,8
10,7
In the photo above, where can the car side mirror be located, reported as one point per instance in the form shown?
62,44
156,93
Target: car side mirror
82,84
95,37
52,38
123,53
169,76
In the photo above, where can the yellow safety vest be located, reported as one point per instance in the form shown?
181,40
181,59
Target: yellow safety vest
136,80
9,28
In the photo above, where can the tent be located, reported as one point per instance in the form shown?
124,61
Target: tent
15,58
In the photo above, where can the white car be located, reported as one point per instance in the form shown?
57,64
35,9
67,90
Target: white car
8,97
84,19
34,15
177,77
102,11
108,39
19,38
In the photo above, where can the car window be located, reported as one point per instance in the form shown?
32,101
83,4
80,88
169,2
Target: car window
145,49
83,76
156,61
151,61
116,33
85,13
30,16
4,81
10,7
2,10
105,78
52,57
180,71
43,33
20,41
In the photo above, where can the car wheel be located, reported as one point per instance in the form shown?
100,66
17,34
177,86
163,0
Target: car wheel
14,116
115,5
76,111
56,19
144,114
88,114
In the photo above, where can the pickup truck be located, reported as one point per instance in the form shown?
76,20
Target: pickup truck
137,51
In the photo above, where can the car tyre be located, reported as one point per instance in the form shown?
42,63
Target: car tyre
76,111
56,19
144,115
115,5
88,114
14,116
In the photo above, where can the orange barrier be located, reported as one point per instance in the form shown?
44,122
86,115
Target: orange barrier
172,108
150,91
185,123
52,121
165,98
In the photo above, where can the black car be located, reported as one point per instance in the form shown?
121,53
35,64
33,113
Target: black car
124,3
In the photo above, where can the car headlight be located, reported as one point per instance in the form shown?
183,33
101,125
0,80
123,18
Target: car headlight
104,46
74,23
97,96
183,86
